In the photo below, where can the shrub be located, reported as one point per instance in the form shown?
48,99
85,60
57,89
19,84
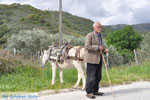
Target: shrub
3,30
125,41
34,40
29,40
144,52
7,62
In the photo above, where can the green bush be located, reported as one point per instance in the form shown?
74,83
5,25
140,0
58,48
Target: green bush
22,19
35,19
114,58
125,41
127,56
6,66
29,40
3,40
144,52
3,30
145,44
7,63
35,40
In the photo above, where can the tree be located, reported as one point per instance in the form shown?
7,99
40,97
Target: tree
125,41
28,41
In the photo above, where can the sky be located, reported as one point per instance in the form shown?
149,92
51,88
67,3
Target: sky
107,12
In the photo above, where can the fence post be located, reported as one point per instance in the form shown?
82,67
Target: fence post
15,52
38,55
107,56
135,56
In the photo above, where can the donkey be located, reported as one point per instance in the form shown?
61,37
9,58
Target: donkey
74,58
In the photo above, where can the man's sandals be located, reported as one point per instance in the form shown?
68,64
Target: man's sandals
92,96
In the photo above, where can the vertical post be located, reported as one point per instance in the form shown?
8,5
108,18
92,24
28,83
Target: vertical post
107,54
135,56
18,52
15,52
60,23
38,54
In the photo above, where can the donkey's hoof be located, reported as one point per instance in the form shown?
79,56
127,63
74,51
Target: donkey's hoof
76,87
83,89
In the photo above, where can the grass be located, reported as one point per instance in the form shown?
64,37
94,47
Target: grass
31,78
127,74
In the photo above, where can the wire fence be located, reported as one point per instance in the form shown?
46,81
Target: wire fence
119,60
8,59
30,56
111,60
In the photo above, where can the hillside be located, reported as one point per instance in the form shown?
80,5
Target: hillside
17,16
145,27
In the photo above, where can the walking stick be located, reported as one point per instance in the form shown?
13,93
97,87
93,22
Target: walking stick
107,73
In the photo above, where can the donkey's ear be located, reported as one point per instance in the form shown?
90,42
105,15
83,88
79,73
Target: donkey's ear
45,51
49,46
69,42
42,52
55,44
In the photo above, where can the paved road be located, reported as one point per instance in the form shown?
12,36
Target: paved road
134,91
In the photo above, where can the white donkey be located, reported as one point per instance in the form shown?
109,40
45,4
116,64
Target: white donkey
73,59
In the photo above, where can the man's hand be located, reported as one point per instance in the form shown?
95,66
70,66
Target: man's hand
106,50
101,48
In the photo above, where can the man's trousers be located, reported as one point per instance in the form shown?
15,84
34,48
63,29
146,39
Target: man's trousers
94,76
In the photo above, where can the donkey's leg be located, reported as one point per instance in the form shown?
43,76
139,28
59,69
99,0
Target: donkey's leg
84,76
79,69
54,67
78,81
61,74
82,73
83,80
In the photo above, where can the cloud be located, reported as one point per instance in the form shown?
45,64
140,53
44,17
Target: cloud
86,8
124,8
96,9
125,12
141,15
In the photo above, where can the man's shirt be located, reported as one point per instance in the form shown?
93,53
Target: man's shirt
99,38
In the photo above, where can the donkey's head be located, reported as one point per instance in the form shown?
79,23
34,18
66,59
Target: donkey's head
45,57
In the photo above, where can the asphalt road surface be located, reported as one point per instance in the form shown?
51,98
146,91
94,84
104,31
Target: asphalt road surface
134,91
